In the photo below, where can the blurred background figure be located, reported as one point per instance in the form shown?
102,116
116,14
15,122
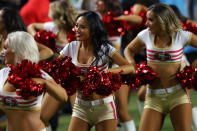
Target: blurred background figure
188,24
16,4
189,51
63,16
87,5
35,11
106,8
137,20
192,9
11,22
77,4
181,5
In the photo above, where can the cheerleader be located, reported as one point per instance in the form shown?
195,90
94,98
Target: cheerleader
22,110
164,40
92,48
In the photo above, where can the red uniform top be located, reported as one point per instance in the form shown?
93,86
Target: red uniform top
35,11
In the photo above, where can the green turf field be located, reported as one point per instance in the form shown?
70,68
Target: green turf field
133,111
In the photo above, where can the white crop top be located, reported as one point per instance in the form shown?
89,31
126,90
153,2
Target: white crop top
173,53
10,100
72,50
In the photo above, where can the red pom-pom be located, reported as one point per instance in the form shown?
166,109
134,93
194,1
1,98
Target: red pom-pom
20,76
128,79
113,27
144,75
190,27
88,85
64,72
109,83
71,35
194,81
100,82
187,78
46,38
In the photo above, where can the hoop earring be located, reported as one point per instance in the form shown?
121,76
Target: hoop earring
163,27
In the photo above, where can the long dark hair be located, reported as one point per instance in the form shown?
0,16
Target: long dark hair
12,20
98,34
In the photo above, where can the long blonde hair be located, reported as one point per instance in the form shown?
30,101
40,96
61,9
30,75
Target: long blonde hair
167,18
63,14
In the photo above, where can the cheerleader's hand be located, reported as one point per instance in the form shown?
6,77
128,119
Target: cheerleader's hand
132,19
122,17
125,69
39,80
82,78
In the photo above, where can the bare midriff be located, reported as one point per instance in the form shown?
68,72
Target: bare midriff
166,72
19,120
